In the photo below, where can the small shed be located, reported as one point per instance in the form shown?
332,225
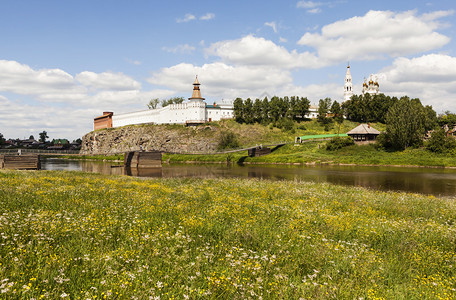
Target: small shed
363,132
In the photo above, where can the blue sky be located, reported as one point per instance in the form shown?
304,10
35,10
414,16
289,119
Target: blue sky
62,63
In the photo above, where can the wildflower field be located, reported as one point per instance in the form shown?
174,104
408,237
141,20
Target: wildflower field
88,236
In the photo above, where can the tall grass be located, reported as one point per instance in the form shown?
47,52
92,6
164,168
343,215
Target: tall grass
85,236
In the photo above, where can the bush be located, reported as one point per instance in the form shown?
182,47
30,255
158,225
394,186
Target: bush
382,141
440,143
228,140
285,124
338,142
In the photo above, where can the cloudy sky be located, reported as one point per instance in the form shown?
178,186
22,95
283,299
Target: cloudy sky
62,63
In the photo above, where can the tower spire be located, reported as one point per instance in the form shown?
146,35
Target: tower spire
196,90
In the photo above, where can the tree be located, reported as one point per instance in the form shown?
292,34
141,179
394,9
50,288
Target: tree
2,139
337,114
43,136
439,142
405,123
153,103
368,108
448,119
173,100
430,118
265,110
31,137
238,110
257,111
323,110
248,111
301,108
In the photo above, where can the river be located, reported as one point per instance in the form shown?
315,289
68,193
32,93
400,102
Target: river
433,181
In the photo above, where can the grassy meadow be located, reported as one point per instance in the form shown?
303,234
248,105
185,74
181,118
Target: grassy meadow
88,236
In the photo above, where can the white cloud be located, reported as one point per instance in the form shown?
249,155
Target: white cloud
186,18
314,10
186,49
432,78
62,104
44,83
223,81
376,35
272,25
208,16
257,51
308,4
283,40
108,81
134,62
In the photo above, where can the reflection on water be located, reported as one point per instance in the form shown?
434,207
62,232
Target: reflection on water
439,182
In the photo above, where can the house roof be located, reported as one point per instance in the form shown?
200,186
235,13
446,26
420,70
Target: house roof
364,129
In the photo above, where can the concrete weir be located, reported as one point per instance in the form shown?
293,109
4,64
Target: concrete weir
138,159
20,162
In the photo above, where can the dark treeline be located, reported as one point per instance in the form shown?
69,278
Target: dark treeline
266,111
368,108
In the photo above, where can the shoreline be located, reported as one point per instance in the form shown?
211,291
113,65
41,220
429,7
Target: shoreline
308,164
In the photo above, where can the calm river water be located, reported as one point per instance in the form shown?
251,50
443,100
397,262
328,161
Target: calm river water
438,182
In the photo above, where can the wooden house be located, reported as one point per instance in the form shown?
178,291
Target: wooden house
363,132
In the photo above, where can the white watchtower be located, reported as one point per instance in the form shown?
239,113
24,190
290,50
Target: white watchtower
348,86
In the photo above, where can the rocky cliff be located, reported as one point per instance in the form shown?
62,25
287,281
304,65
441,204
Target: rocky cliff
167,138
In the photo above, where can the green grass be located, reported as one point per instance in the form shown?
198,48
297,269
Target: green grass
80,236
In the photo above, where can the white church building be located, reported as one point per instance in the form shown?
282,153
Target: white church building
370,87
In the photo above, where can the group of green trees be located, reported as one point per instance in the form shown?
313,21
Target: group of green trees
407,122
153,103
329,112
266,111
442,140
368,108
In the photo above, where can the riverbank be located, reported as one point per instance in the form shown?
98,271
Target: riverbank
86,235
309,153
314,153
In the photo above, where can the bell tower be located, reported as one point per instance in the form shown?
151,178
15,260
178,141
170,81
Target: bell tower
348,86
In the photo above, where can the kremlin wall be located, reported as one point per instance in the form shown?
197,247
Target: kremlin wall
122,138
193,112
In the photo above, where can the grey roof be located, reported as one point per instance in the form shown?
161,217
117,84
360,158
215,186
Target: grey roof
363,129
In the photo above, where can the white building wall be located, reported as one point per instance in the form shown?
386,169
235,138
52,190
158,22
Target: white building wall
193,111
219,113
139,117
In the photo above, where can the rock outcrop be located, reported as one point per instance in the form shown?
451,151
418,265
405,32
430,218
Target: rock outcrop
167,138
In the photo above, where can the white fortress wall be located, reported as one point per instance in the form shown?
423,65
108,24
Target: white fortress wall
138,117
